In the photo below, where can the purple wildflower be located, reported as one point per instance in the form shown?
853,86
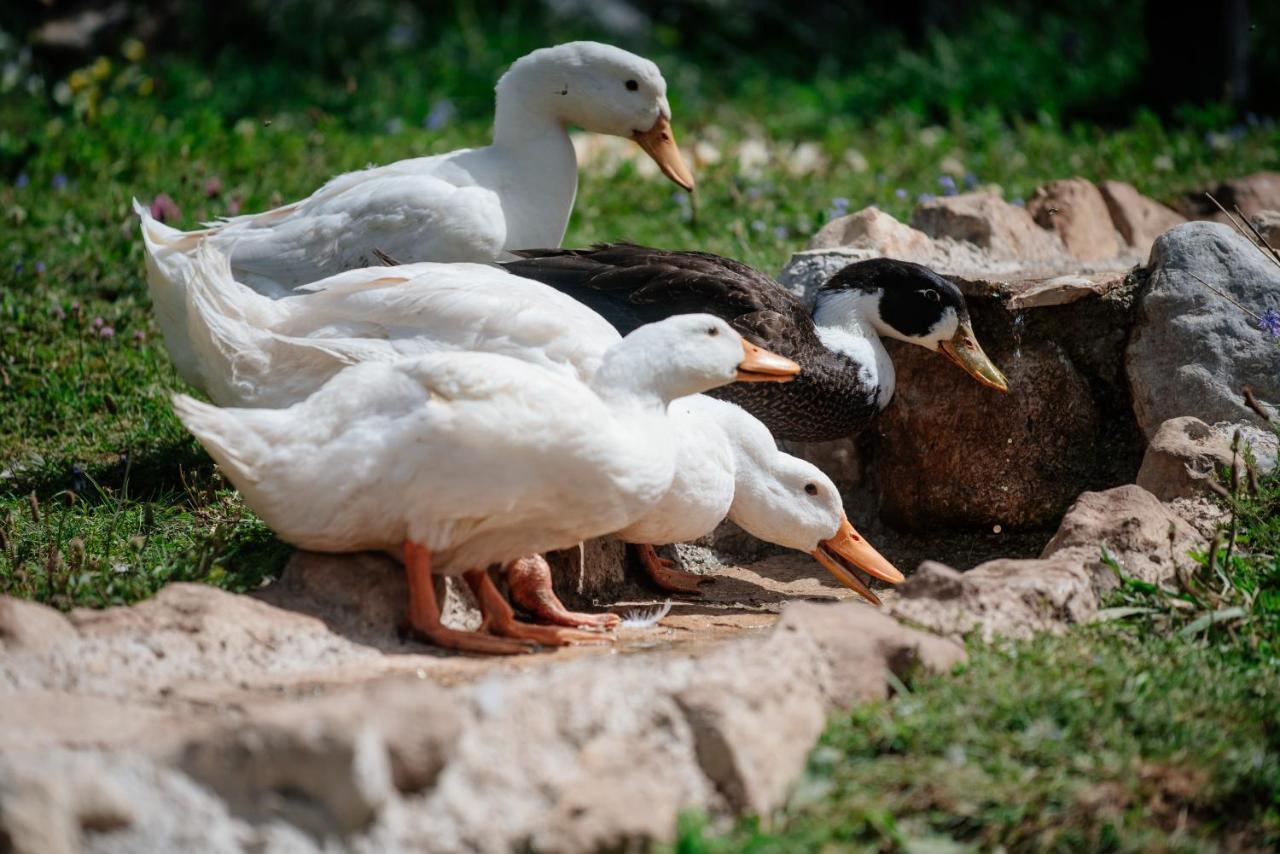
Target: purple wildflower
757,225
75,308
840,203
18,268
213,187
925,197
98,322
754,192
948,185
1019,203
901,192
59,181
1270,322
440,114
39,268
22,181
680,197
139,336
781,232
165,209
107,332
233,206
970,180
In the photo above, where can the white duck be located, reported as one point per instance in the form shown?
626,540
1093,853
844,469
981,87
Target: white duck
471,204
261,352
462,460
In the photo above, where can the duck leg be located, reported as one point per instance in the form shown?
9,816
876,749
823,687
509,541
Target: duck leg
529,579
424,614
501,620
664,573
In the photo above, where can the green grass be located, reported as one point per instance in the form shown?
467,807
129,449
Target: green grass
1156,730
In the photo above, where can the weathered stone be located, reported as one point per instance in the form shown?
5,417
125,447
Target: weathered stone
363,596
327,779
1062,290
1191,350
872,228
806,271
31,626
951,453
1005,231
1252,193
1140,220
1000,598
1184,457
1129,524
1268,224
1075,210
589,571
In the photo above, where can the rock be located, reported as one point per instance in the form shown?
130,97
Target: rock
32,626
589,572
1184,457
327,779
953,454
1191,350
1062,290
70,801
1000,598
362,596
1131,524
1268,223
806,271
1252,193
1140,220
1075,210
1005,231
872,228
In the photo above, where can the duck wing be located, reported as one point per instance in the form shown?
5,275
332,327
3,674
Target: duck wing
632,285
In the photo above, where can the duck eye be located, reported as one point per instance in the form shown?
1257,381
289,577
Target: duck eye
632,85
932,296
811,488
713,332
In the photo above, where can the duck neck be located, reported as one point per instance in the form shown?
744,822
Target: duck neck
540,169
847,322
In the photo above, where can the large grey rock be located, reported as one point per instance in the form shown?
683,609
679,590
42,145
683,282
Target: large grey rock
1183,459
1191,350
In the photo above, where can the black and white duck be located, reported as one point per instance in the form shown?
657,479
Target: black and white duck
846,374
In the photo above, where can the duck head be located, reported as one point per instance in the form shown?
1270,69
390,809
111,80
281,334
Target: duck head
602,89
687,354
785,500
911,303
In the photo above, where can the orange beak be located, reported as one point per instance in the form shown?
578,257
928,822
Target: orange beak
759,365
848,547
660,144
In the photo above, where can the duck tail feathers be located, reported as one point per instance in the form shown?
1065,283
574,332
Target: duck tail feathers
231,442
229,327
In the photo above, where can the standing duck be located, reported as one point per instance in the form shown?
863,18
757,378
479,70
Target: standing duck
847,375
254,351
470,204
462,460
